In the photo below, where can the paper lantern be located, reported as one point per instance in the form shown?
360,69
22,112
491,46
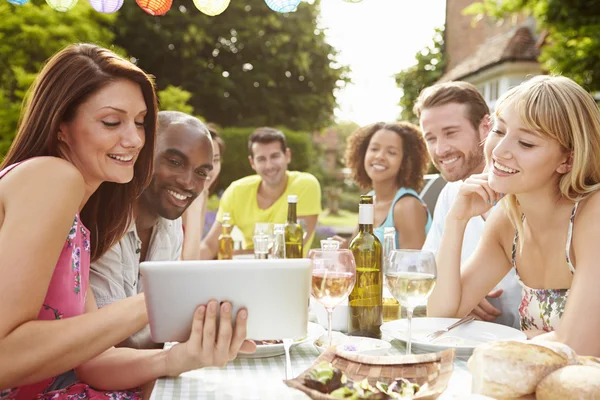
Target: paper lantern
62,5
106,6
155,7
283,6
18,2
212,7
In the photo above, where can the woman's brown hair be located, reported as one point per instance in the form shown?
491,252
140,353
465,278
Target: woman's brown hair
216,137
414,154
68,79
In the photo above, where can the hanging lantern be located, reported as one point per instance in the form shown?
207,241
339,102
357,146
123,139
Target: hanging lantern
212,7
155,7
106,6
62,5
18,2
283,6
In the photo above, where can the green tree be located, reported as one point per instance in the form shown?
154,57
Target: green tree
428,69
249,66
571,30
29,35
173,98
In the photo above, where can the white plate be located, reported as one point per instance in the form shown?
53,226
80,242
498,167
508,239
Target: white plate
464,338
357,345
272,350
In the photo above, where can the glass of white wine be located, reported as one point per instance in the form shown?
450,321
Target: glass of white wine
410,276
333,278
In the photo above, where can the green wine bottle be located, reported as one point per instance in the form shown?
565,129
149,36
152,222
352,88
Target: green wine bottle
365,301
294,234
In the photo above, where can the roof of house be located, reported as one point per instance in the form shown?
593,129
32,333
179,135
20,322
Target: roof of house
517,44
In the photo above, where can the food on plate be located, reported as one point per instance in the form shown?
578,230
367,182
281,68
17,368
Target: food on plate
570,383
330,380
336,338
508,369
356,344
267,342
324,378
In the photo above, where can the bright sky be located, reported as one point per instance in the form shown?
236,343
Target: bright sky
377,38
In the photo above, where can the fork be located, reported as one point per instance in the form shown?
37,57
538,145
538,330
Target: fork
434,335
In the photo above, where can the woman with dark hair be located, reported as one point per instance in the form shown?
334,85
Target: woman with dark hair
194,218
82,155
391,159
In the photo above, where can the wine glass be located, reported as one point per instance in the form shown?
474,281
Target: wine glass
333,278
410,276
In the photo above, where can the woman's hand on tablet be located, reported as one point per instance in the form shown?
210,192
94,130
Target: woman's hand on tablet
213,341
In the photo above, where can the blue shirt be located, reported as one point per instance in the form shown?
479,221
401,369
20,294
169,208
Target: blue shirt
389,221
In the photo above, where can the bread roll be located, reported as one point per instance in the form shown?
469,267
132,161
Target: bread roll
561,349
509,369
589,360
573,382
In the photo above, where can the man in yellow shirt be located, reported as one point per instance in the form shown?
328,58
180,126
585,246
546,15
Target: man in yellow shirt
263,197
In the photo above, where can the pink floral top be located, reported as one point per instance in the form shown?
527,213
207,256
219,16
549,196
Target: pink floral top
542,309
65,298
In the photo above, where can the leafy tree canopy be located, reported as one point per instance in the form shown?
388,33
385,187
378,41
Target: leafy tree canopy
249,66
428,69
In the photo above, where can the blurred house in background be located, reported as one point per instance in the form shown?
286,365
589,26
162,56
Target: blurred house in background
494,56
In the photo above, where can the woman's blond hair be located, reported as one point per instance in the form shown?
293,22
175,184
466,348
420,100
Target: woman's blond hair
558,108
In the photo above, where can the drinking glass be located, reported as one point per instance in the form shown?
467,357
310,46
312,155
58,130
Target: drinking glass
264,228
410,277
333,278
261,246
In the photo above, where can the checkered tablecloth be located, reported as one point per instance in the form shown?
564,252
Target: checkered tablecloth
262,378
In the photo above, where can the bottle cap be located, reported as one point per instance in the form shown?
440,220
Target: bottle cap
292,198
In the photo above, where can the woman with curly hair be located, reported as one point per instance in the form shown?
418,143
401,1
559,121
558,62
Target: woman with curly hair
391,159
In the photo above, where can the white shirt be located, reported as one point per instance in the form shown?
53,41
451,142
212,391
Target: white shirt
116,275
510,300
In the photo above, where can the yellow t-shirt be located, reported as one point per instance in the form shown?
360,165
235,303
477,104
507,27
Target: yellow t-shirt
239,200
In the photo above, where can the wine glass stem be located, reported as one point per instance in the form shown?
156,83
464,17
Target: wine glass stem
409,315
329,324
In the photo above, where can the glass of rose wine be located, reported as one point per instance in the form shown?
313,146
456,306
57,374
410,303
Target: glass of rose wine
410,276
333,278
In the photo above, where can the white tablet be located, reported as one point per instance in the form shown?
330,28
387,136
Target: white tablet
275,292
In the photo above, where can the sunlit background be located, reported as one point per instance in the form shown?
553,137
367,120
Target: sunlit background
377,39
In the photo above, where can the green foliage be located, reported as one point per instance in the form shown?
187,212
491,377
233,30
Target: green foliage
572,45
175,99
428,69
249,66
346,128
235,159
29,35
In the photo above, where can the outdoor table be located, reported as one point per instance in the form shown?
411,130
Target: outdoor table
262,378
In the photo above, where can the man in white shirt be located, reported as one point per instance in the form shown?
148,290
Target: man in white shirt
455,121
182,160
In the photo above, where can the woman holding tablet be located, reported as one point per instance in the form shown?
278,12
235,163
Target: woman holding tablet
82,155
